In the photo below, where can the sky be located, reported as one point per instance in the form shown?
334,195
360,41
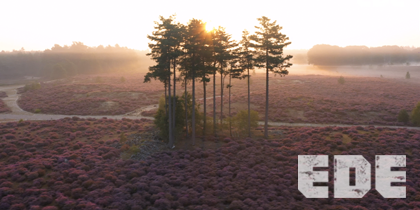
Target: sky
38,25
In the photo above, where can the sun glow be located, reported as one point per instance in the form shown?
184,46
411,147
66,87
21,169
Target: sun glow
32,28
210,26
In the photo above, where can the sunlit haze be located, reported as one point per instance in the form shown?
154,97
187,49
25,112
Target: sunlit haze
38,25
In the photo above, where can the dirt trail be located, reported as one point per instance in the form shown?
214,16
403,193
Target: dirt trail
18,113
326,125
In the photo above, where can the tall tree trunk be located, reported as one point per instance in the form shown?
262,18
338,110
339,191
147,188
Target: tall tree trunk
249,109
266,96
205,111
221,101
186,106
214,102
230,117
166,98
193,100
171,142
174,103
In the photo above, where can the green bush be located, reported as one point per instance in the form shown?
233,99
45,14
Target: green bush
32,86
240,120
37,110
415,115
403,116
162,118
407,76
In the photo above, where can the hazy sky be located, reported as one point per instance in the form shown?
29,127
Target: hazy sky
38,25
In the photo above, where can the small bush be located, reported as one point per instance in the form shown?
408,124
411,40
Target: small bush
415,115
407,76
403,116
162,117
37,110
240,120
32,86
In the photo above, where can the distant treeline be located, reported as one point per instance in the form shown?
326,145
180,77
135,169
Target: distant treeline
328,55
63,61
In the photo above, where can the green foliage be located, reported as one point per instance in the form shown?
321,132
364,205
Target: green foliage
165,46
407,76
32,86
162,118
21,121
37,110
403,116
415,115
198,115
269,42
240,120
341,80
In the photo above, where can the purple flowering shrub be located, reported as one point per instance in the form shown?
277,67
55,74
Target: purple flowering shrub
43,168
320,99
3,107
85,96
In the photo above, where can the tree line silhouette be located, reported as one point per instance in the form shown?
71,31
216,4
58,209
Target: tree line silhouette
199,55
329,55
62,61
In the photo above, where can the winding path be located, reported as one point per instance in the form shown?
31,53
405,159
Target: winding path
18,114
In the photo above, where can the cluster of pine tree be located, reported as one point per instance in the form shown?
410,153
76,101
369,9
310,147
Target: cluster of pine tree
189,53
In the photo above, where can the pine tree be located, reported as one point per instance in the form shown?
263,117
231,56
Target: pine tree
247,63
165,50
207,69
235,72
222,47
192,63
176,37
269,42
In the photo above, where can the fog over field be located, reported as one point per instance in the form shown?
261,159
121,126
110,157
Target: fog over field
361,71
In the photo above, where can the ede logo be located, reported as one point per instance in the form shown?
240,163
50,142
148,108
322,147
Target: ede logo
342,164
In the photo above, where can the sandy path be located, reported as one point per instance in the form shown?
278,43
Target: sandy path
18,114
326,125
